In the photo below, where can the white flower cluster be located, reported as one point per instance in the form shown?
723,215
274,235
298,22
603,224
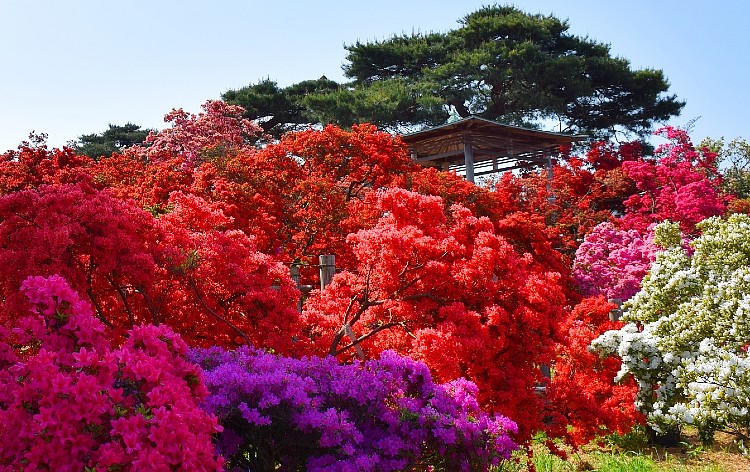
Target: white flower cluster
718,383
689,329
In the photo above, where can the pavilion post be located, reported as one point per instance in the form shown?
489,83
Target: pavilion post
327,269
469,161
552,217
550,193
294,273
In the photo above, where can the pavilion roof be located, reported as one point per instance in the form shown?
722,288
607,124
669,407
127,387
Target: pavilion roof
495,146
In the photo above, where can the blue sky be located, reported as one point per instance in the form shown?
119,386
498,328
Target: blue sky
71,67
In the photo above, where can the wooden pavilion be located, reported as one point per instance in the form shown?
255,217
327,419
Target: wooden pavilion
475,146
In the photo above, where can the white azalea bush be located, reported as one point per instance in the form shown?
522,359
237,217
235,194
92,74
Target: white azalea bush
686,341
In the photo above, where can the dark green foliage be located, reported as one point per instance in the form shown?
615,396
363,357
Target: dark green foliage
114,139
506,65
277,110
389,103
501,64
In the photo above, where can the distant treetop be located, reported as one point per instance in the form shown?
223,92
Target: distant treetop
500,64
114,139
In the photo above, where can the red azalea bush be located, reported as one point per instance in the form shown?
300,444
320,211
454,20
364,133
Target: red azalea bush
682,185
583,399
443,287
33,164
583,192
72,402
209,284
96,242
292,196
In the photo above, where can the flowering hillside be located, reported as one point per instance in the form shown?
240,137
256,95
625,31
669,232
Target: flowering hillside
427,348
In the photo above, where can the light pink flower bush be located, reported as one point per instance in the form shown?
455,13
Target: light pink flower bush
612,262
219,128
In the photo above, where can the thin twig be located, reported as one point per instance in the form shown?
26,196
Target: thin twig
124,297
368,335
213,312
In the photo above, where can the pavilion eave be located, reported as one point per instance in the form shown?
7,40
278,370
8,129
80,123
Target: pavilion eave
475,140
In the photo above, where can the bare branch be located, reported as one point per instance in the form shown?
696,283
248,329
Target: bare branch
124,297
98,308
368,335
196,290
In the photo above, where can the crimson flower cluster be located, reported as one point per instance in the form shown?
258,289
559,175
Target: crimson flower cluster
681,185
585,403
318,415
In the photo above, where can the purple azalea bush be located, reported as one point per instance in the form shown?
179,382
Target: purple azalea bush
314,414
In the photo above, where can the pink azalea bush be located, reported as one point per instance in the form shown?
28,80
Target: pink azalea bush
612,262
681,185
71,402
220,127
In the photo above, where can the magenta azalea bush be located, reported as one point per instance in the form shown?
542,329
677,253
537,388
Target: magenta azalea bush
682,185
313,414
70,402
612,262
